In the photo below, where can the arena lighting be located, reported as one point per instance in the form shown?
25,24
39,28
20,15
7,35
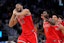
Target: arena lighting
60,3
0,34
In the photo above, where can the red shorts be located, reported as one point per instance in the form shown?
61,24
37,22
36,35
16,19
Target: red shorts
32,38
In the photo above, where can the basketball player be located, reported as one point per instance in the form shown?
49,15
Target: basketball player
23,16
51,33
62,26
59,25
60,19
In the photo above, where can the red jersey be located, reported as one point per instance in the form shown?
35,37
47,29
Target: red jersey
62,23
26,24
58,32
51,33
62,33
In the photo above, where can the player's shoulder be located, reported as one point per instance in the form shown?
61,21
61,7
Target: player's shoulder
28,11
25,9
45,22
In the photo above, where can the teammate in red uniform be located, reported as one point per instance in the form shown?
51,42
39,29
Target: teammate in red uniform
23,16
59,25
51,33
60,20
62,26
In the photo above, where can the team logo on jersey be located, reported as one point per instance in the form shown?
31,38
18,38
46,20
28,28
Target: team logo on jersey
22,21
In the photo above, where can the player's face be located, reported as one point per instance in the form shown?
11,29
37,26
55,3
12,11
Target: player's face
43,14
54,17
59,20
19,7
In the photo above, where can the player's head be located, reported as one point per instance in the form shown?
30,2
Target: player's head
55,17
60,18
19,7
45,12
44,15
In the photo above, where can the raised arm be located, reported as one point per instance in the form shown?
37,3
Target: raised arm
13,20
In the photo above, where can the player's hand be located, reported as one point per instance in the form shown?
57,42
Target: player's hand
61,26
15,14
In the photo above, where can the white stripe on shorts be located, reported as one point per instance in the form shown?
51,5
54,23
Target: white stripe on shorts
36,37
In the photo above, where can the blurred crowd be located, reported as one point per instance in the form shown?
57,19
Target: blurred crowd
35,6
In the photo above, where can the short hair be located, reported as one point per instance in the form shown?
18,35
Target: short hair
17,4
56,16
60,16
